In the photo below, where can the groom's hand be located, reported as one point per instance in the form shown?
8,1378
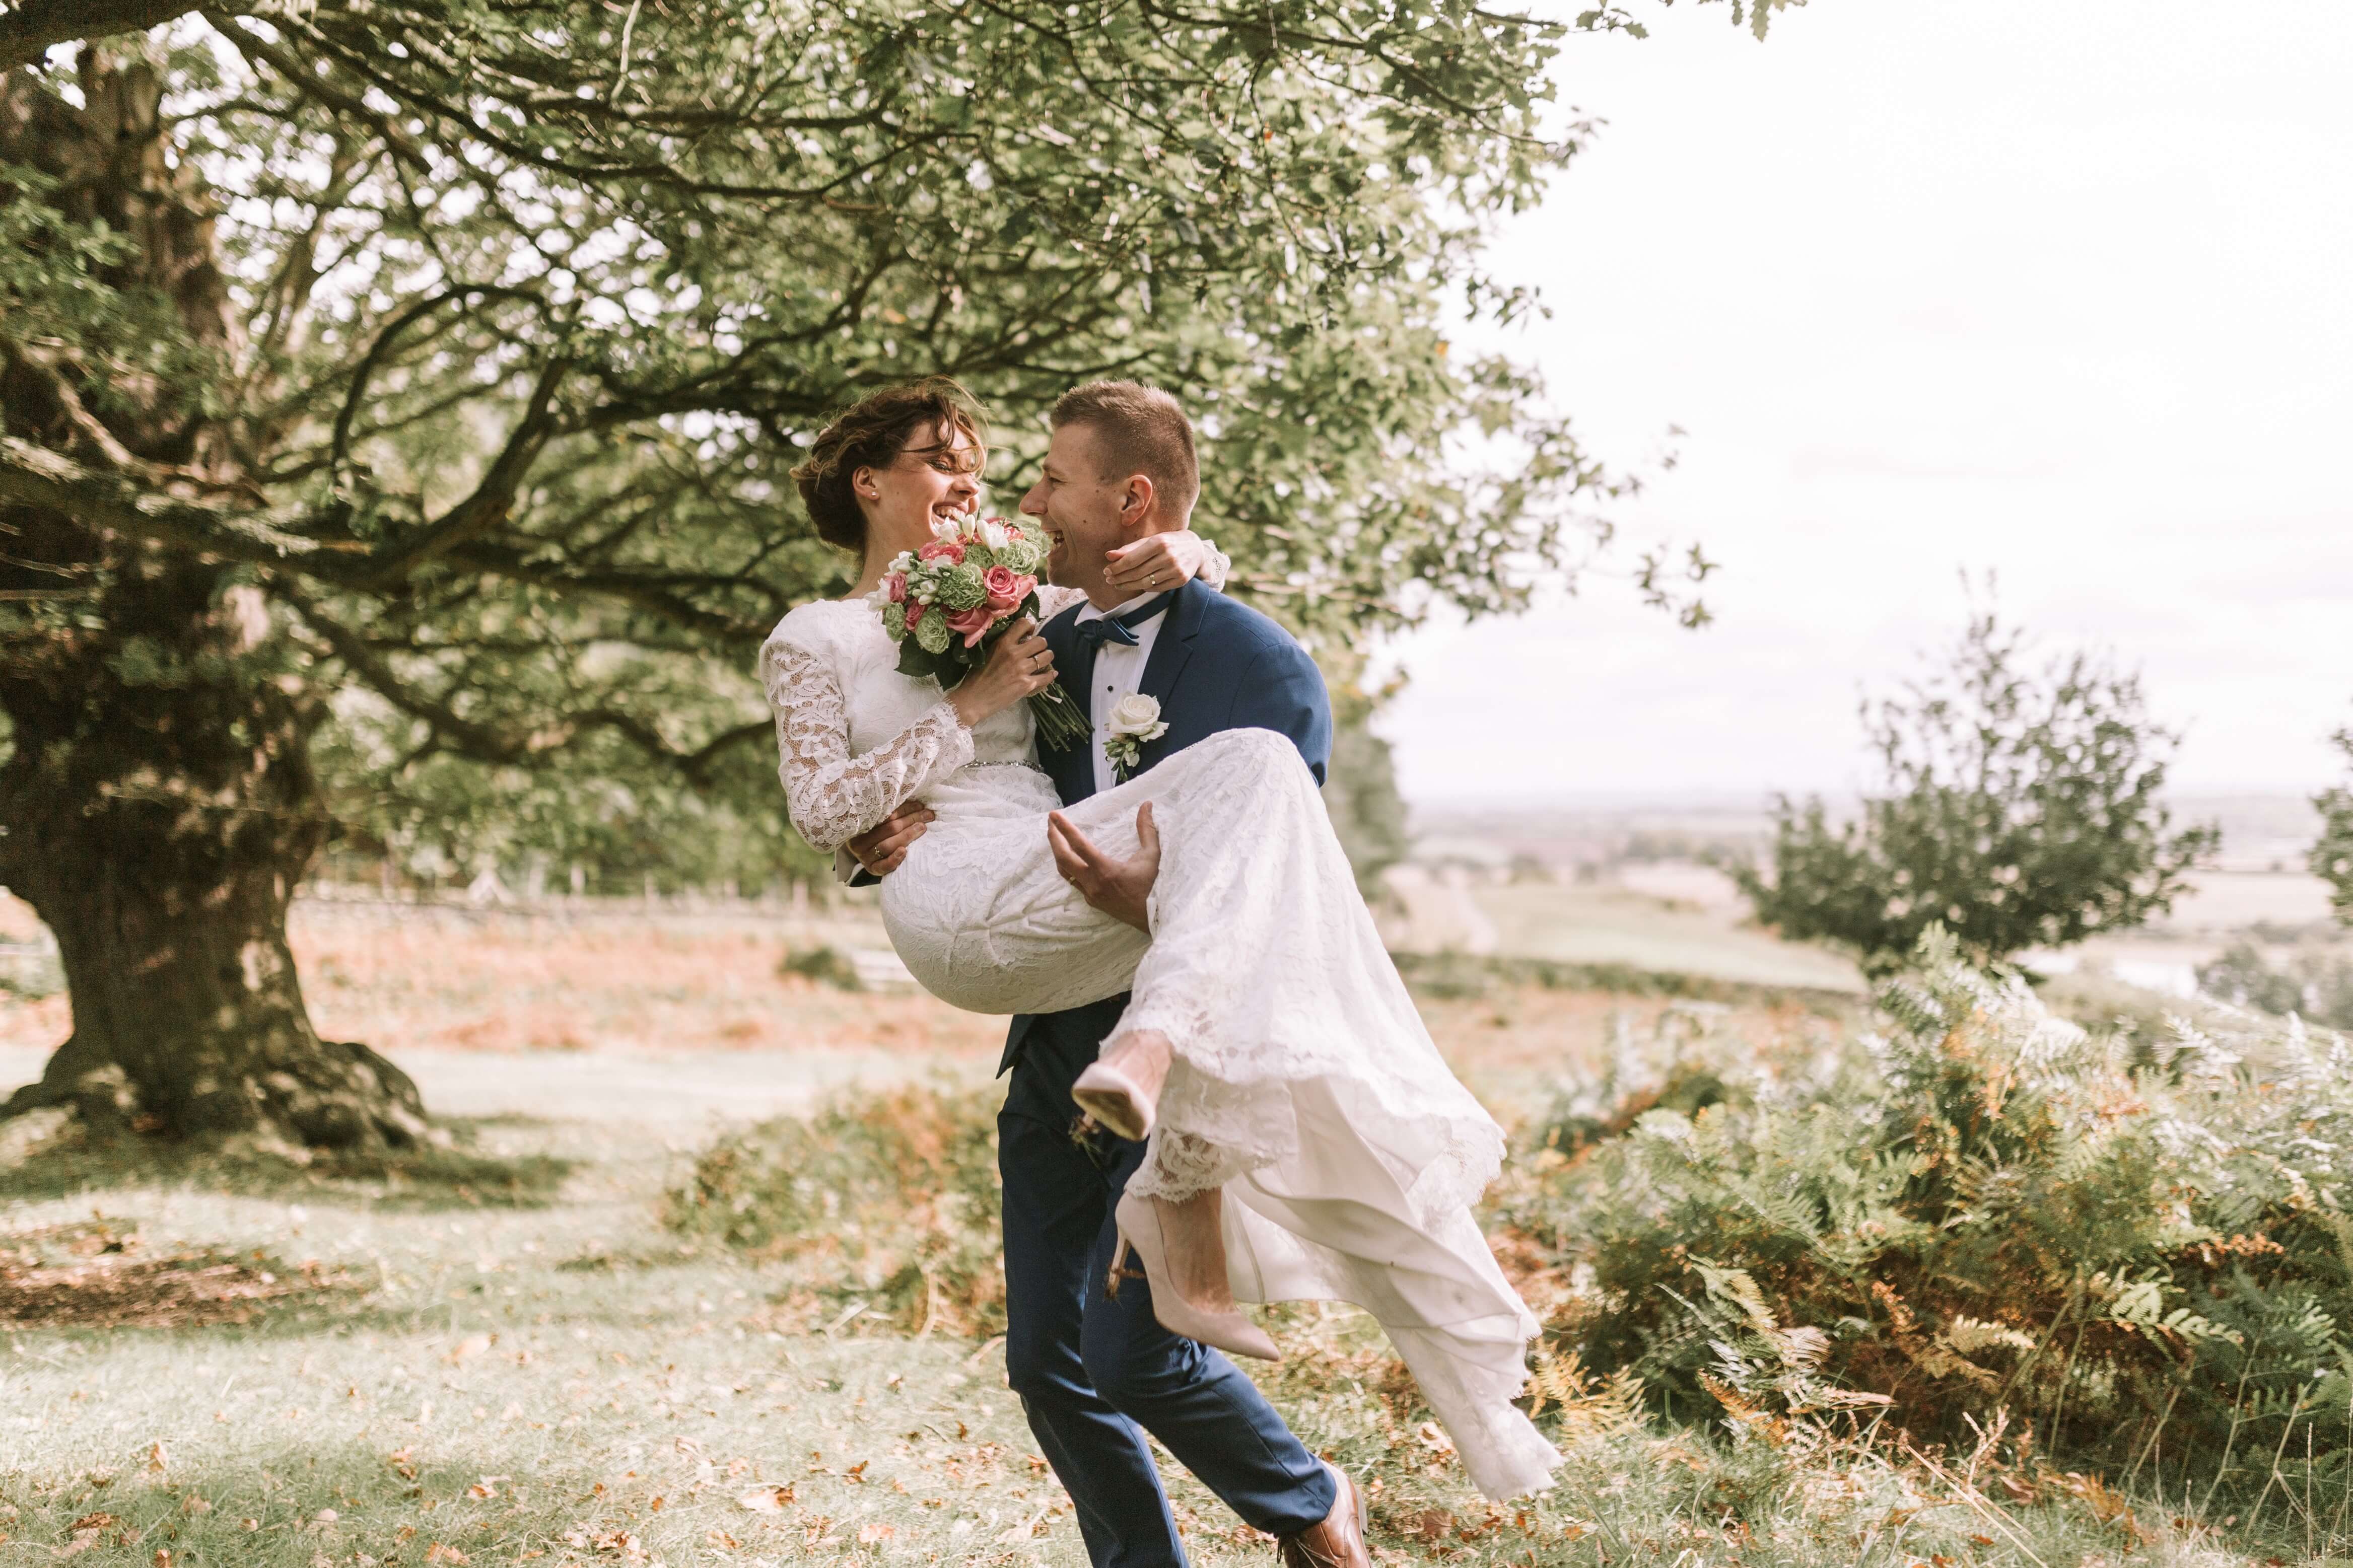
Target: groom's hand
1118,888
880,847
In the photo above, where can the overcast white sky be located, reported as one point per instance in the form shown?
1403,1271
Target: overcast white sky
2064,291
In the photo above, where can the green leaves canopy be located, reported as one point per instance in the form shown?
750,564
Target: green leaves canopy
520,312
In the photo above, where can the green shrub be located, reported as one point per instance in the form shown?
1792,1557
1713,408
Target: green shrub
890,1197
826,966
1985,1209
2331,856
2016,808
2315,985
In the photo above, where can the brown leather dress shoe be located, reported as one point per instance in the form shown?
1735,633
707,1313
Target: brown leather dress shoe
1339,1541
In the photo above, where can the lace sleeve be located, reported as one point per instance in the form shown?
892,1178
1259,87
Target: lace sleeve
833,797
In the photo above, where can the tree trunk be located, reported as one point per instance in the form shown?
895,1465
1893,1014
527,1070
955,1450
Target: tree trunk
157,804
159,826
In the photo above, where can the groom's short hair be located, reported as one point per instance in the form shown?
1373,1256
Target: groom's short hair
1142,430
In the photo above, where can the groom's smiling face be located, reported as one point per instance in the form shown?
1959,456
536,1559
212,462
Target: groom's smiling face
1080,512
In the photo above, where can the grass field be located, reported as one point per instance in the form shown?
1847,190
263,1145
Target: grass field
292,1369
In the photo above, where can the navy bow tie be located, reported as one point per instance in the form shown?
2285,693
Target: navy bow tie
1120,628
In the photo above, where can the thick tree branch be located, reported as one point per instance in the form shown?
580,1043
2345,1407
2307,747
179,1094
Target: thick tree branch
382,346
35,476
484,743
492,499
30,30
476,740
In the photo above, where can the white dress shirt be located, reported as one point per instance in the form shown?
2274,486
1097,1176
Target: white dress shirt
1119,670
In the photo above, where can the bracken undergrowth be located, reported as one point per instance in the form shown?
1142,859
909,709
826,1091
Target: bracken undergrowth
2133,1257
882,1203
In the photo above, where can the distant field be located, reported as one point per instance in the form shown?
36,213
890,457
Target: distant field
608,974
683,1017
1602,924
2228,901
1687,919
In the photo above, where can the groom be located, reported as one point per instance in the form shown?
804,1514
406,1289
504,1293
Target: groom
1095,1372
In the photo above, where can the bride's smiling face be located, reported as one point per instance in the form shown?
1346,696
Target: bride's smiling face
935,477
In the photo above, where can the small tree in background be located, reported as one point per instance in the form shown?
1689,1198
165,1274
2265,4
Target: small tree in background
2332,854
2020,808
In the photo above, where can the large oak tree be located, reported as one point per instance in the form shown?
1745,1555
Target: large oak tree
399,385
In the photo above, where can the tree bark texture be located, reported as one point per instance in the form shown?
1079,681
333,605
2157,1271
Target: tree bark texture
157,804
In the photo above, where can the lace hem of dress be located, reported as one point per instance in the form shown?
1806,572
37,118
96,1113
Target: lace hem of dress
1210,1134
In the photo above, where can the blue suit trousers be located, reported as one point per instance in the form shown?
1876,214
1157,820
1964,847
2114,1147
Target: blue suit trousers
1094,1373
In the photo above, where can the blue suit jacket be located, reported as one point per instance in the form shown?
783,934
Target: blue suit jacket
1216,665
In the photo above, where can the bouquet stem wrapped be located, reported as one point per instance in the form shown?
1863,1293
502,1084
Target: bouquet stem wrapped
946,604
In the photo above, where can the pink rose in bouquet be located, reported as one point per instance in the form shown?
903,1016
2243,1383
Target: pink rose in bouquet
1005,588
943,602
973,623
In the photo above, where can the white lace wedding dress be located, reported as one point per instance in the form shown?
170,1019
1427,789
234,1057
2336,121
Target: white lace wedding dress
1304,1082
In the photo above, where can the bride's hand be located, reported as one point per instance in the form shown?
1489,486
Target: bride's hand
1019,663
1157,562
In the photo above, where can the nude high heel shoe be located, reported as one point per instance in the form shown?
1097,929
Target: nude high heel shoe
1226,1329
1121,1088
1114,1101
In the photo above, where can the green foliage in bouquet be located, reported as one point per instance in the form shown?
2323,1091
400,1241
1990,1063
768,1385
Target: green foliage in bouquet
941,655
2142,1249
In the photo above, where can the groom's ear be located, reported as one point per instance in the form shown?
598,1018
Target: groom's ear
1135,499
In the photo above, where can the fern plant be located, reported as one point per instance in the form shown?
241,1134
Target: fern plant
2138,1249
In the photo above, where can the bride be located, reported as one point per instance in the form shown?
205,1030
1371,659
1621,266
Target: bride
1308,1142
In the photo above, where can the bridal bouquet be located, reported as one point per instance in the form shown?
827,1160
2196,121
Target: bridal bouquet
945,604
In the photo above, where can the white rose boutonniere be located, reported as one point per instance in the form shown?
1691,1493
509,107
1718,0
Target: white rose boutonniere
1134,719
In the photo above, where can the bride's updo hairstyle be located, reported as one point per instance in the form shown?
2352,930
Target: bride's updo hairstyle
874,433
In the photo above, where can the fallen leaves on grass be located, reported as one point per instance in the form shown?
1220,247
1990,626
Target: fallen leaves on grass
93,1275
766,1499
612,1542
